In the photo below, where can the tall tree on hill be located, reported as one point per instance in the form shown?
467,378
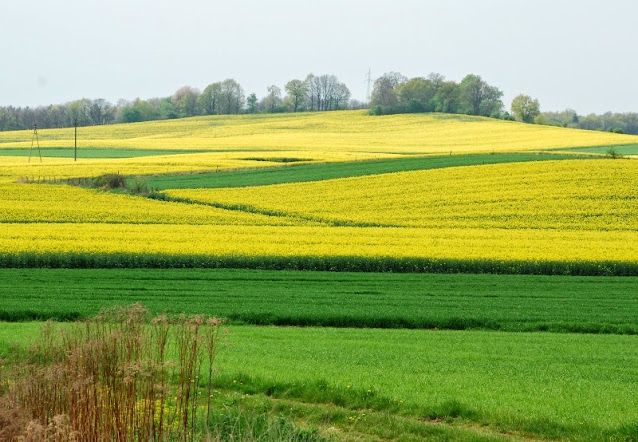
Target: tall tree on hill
525,109
325,86
231,97
448,98
297,91
208,101
185,101
341,96
101,112
416,95
325,93
273,101
251,103
384,94
479,98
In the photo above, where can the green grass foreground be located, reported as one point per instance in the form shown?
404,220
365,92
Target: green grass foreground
378,300
554,386
324,171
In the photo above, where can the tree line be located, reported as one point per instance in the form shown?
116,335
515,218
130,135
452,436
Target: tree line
392,93
314,93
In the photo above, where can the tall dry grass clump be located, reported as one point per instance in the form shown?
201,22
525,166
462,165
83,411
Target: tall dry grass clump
120,376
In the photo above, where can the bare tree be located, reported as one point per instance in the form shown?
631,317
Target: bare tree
325,93
101,112
341,96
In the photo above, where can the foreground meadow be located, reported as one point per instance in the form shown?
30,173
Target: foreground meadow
514,385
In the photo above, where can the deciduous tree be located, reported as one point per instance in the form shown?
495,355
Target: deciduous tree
525,108
297,91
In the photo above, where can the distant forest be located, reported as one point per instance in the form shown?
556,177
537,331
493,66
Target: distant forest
392,93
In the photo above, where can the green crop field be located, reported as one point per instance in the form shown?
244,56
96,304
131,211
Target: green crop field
318,172
630,149
457,301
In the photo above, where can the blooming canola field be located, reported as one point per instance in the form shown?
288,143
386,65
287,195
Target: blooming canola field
518,217
589,195
326,132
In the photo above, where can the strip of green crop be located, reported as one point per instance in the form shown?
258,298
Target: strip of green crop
629,149
72,260
375,300
324,171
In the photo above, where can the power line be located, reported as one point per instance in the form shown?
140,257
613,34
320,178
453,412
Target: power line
37,140
369,81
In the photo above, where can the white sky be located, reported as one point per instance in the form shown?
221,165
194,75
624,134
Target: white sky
578,54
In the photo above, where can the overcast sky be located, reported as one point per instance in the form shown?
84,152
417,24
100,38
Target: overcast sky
577,54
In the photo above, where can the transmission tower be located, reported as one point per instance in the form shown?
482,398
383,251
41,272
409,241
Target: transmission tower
37,141
369,81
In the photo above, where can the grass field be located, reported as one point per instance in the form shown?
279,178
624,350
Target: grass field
631,149
383,300
580,387
552,385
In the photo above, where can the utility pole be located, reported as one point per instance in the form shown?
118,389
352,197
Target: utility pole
37,140
75,123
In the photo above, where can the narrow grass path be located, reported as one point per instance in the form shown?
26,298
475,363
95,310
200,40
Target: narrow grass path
346,424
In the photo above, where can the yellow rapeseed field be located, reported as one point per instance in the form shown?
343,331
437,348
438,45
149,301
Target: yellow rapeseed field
317,241
53,168
563,195
575,211
47,203
345,131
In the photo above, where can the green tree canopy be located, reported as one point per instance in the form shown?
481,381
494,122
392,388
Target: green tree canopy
525,109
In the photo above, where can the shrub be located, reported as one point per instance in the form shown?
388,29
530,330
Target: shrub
110,181
612,152
111,378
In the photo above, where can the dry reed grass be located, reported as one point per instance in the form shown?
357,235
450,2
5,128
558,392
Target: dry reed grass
120,376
